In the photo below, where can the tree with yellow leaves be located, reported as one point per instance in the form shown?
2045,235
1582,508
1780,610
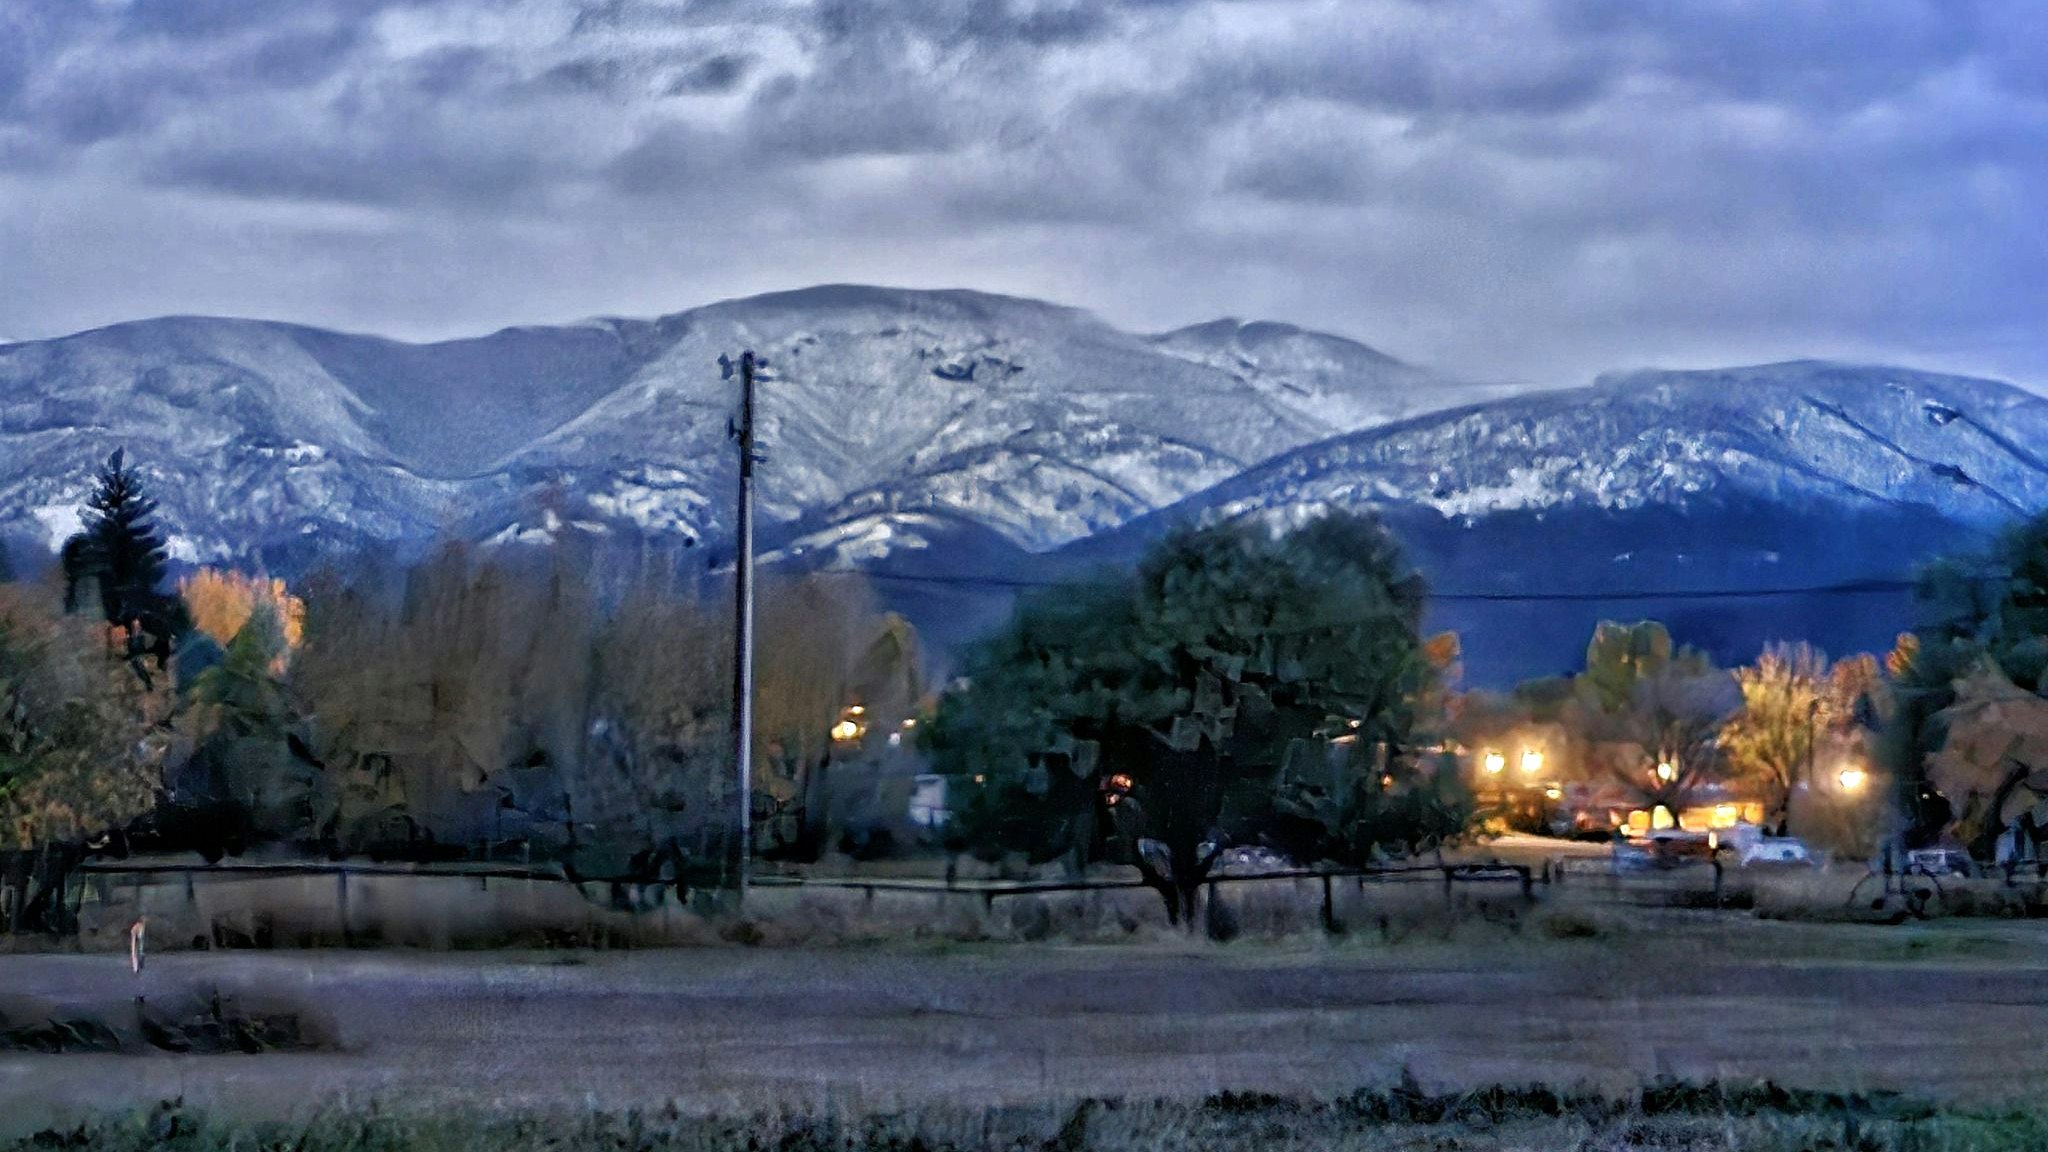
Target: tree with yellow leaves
81,753
221,603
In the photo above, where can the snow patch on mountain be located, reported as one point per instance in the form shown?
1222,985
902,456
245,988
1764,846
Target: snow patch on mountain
1796,434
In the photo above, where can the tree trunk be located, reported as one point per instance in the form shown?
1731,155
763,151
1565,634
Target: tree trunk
1190,895
39,889
1985,845
1160,884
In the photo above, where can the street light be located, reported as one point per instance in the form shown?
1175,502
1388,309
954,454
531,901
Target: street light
1665,771
1853,779
1495,762
1532,762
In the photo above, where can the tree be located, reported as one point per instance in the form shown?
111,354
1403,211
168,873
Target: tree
1183,701
251,777
1991,762
1655,711
1787,698
81,755
121,553
219,602
1984,612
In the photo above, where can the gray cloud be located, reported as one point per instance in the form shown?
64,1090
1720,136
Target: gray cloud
1528,189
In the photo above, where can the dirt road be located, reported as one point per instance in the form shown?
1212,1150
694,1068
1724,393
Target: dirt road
1949,1011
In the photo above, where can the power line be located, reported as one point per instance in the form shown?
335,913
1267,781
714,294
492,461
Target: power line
1866,587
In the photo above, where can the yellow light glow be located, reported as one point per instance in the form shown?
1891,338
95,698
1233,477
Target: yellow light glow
845,730
910,723
1495,762
1660,817
1713,841
856,710
1532,762
1553,793
1665,771
1853,779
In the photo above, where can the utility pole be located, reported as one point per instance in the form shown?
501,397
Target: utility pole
743,606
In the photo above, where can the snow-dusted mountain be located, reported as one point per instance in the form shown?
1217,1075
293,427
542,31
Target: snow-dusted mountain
887,409
1792,433
954,434
1760,483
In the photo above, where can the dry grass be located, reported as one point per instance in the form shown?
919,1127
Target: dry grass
1664,1115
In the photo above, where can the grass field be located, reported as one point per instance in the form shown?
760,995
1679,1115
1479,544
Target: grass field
1709,1118
1947,1012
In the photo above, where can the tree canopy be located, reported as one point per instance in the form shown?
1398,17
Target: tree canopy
1184,702
120,552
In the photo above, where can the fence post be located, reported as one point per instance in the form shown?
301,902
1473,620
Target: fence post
1330,924
341,900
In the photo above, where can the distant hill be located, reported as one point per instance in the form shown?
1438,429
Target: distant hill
957,445
1040,423
1754,480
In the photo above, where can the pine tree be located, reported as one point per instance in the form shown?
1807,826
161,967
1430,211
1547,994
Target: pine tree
120,549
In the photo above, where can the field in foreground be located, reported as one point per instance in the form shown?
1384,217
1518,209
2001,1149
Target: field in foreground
1708,1118
1947,1012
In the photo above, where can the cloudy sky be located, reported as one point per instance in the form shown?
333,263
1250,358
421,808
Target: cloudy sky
1527,191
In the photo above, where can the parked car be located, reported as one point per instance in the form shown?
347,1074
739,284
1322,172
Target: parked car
1775,850
1943,861
1663,849
1252,860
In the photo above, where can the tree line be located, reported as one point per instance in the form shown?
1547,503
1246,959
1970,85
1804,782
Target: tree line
1241,688
480,703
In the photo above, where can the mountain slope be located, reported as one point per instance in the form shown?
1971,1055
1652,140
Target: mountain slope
1757,482
1038,422
1784,432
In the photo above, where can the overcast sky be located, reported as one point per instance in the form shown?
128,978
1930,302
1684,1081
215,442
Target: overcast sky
1527,191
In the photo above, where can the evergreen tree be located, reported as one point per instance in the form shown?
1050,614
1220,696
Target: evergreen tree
120,551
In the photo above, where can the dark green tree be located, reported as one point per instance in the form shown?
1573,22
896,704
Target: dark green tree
250,777
121,554
1992,607
1187,701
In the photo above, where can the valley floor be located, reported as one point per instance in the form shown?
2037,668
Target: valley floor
1947,1011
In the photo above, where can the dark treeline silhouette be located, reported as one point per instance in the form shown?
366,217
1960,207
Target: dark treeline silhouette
481,704
1238,689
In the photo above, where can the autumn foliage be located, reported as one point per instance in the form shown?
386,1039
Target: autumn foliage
221,602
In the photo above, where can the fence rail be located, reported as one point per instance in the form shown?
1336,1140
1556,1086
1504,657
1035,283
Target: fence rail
379,890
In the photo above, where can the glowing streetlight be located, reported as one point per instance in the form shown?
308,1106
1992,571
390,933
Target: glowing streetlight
1495,763
1553,793
844,730
1666,771
855,710
1532,762
1853,779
